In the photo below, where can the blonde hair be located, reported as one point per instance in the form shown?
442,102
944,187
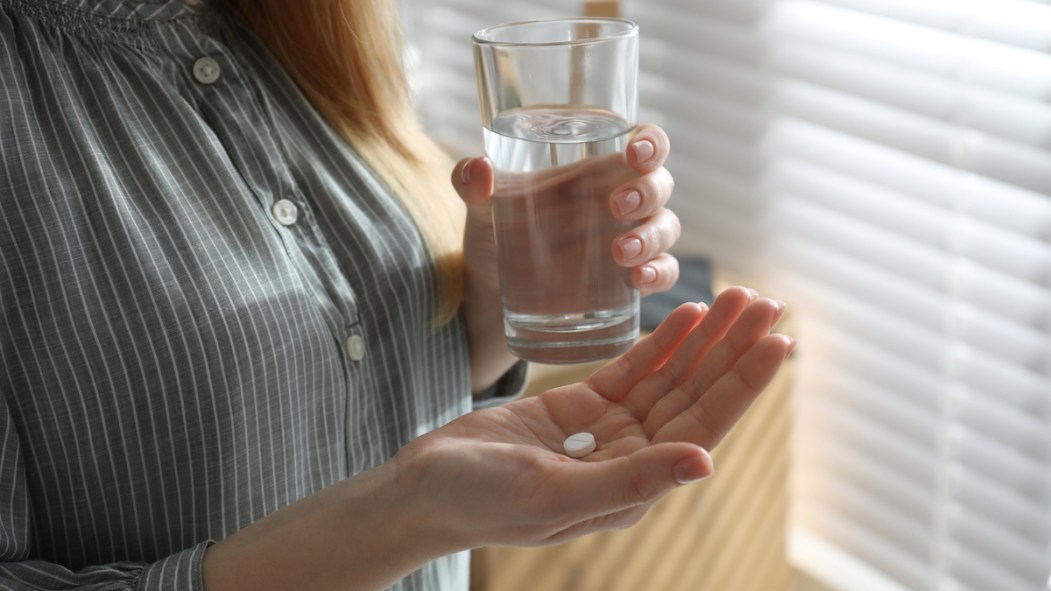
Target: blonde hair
346,57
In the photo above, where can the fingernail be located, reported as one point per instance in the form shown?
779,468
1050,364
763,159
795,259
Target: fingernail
780,309
647,274
630,248
753,293
691,470
627,202
465,174
791,346
644,150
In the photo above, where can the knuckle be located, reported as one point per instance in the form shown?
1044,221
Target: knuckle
652,186
675,223
671,270
706,425
648,233
663,381
623,368
745,382
652,237
649,193
666,380
656,134
641,490
736,346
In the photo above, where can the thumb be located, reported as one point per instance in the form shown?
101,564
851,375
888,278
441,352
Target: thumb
601,488
473,180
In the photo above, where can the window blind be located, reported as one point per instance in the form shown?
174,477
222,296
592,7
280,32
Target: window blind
441,64
885,167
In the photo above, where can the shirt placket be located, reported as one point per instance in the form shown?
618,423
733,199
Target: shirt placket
239,118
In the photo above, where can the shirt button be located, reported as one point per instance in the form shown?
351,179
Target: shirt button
355,347
206,70
285,212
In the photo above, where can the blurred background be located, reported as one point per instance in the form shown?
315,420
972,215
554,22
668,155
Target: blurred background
884,166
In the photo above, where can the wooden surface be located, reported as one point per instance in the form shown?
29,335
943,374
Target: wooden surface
602,8
722,534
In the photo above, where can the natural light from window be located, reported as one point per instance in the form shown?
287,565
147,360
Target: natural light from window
885,167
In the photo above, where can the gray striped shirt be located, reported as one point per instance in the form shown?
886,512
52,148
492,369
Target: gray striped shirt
209,307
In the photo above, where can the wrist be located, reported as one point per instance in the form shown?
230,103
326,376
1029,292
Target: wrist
483,317
423,485
364,532
424,520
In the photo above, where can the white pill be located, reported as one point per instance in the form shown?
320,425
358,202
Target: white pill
579,445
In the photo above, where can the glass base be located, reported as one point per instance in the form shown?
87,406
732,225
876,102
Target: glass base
572,339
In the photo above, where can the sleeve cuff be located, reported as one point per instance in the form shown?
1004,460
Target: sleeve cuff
507,388
180,571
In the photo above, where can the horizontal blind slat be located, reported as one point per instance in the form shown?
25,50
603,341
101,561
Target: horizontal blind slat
980,62
914,459
871,425
888,327
1020,256
934,141
997,203
732,138
755,79
1022,23
924,274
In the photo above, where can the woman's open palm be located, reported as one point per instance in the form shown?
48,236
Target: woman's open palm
653,413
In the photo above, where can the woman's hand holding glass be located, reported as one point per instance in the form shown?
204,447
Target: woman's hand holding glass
638,187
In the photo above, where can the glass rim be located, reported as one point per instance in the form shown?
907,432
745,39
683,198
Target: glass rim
631,29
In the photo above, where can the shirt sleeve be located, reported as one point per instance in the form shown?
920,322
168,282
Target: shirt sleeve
179,572
509,387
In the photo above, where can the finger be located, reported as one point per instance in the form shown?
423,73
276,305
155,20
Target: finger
657,275
594,489
648,240
598,172
473,180
646,152
643,196
714,414
753,324
648,149
726,308
614,380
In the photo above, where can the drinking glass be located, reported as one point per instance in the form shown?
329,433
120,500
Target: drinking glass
559,100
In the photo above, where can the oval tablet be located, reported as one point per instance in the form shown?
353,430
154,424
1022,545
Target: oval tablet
579,445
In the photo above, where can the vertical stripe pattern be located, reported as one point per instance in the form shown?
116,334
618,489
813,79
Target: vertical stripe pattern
177,357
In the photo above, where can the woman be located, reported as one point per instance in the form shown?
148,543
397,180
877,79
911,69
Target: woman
239,305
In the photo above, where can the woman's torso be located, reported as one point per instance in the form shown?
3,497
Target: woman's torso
183,357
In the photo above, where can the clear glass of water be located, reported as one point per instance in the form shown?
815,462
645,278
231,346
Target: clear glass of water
559,100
